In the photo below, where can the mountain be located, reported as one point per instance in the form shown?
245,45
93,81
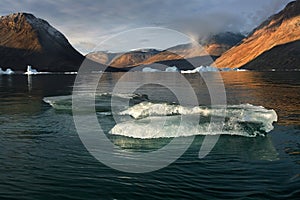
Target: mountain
122,59
213,45
102,57
272,45
217,44
281,57
27,40
133,58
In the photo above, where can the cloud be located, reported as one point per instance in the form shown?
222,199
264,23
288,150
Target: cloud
89,22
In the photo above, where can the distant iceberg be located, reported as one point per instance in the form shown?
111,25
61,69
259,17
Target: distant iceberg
172,69
149,69
71,73
211,69
200,69
196,70
239,70
226,69
8,71
168,69
31,71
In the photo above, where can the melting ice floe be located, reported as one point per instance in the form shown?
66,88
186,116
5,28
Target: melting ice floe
244,120
8,71
102,100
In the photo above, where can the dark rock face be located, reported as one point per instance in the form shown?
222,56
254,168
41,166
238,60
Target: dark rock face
273,59
27,40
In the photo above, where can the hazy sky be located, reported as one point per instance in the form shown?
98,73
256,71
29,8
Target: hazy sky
89,22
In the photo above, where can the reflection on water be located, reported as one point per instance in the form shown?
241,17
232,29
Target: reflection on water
260,148
29,82
42,157
276,90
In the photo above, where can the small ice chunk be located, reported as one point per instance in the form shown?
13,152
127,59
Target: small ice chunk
149,69
200,69
31,71
172,69
8,71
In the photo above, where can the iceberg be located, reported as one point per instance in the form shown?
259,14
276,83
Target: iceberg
232,70
102,100
211,69
226,69
196,70
244,120
8,71
71,73
200,69
168,69
172,69
149,69
31,71
239,70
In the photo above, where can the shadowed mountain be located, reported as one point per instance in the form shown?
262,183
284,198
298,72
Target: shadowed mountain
272,45
27,40
273,58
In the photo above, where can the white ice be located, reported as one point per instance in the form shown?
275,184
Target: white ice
31,71
172,69
149,69
157,113
211,69
8,71
200,69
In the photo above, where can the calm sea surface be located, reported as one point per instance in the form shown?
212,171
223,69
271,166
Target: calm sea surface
42,157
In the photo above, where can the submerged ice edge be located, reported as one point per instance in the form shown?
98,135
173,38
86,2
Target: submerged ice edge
172,126
65,102
88,94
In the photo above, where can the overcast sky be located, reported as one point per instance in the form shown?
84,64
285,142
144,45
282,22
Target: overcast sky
90,22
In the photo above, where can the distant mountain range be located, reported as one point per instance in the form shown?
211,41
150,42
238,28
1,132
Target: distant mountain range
213,45
275,44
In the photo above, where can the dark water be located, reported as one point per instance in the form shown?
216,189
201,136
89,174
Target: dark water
42,156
